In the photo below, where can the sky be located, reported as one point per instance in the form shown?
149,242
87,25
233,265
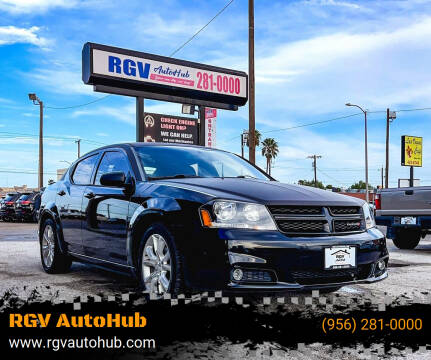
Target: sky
311,58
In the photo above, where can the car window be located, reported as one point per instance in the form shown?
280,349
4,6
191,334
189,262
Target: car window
112,161
169,161
25,197
83,170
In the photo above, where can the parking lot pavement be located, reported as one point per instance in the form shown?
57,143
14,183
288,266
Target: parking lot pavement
21,271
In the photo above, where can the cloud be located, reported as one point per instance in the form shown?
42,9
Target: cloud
320,74
35,6
71,82
345,4
13,35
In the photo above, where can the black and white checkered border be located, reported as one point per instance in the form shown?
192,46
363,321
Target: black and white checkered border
314,300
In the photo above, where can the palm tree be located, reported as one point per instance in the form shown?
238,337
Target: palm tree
257,137
270,151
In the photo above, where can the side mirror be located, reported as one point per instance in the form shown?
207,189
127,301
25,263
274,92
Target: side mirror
116,179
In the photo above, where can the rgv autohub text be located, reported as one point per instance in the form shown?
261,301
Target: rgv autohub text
79,321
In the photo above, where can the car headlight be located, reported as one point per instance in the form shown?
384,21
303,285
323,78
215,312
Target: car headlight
368,217
238,215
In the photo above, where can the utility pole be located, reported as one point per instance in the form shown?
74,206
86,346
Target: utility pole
79,147
390,116
37,101
314,157
251,84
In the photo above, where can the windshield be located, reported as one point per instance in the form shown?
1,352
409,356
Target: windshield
175,161
25,197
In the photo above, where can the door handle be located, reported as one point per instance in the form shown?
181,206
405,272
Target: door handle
89,195
61,192
409,192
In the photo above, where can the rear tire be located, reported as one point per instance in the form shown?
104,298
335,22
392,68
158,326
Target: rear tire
53,260
407,239
159,262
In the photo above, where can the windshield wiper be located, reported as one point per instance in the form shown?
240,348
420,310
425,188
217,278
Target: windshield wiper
177,176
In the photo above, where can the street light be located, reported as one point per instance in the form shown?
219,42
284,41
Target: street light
367,198
37,101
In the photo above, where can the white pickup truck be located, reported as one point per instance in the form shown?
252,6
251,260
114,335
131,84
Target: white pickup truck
407,214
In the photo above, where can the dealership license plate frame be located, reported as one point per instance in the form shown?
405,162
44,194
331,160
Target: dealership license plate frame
352,264
408,220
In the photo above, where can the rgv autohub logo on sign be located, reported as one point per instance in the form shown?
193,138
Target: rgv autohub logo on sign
164,73
33,320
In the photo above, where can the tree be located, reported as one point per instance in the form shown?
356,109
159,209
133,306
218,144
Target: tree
319,184
257,137
270,151
360,186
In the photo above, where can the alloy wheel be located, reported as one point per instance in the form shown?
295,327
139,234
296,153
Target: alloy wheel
156,265
48,245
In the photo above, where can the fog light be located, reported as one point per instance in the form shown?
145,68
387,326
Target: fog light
381,265
237,274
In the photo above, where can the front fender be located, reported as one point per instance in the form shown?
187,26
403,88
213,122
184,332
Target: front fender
50,210
150,211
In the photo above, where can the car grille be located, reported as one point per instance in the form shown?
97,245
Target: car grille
347,225
345,210
296,210
331,276
317,220
304,226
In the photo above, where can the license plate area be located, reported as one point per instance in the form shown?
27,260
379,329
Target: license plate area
408,220
340,257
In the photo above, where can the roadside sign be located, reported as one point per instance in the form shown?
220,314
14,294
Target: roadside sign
411,151
170,129
210,127
160,76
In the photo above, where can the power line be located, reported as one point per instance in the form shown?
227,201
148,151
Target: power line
5,134
201,29
76,106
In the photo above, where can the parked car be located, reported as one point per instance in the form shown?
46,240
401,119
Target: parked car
187,218
27,207
7,211
407,214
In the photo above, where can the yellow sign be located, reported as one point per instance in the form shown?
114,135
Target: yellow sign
411,151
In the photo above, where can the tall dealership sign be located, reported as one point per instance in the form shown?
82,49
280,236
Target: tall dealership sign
411,153
147,76
170,129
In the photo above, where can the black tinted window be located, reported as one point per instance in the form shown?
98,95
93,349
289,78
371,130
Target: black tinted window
112,161
25,197
10,197
82,173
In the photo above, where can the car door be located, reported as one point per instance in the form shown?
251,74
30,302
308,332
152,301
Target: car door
106,212
69,201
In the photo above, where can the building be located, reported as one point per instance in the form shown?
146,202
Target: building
13,189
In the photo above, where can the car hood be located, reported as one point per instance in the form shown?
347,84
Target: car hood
266,192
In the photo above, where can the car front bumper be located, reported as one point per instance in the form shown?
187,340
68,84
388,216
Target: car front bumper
297,263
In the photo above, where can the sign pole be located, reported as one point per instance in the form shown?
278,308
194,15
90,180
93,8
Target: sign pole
202,125
411,176
140,119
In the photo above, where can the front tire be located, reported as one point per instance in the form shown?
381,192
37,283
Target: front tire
53,261
159,262
407,239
